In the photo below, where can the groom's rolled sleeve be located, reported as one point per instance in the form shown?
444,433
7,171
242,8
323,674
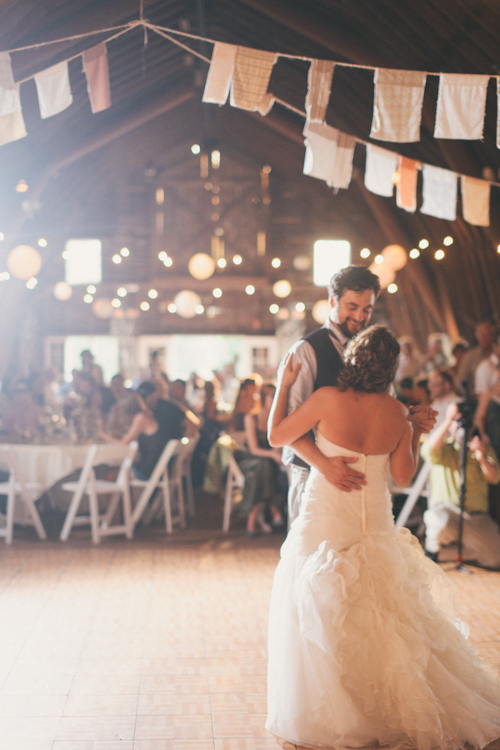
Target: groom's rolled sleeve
302,388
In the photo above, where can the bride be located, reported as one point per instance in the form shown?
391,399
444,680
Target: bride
364,645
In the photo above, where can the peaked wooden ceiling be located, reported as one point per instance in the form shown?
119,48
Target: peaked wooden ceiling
95,175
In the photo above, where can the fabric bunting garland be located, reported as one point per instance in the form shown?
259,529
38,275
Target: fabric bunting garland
406,189
54,90
379,170
329,154
12,126
220,74
252,71
397,109
461,106
95,67
319,86
476,201
439,193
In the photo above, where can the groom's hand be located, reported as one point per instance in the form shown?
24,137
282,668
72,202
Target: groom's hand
338,472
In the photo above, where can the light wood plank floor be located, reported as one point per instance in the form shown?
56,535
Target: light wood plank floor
153,644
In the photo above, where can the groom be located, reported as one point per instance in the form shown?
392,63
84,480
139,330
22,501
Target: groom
351,295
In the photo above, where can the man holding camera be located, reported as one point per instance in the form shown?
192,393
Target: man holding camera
481,538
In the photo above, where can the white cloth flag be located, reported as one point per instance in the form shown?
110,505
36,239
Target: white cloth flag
11,117
476,201
54,90
319,86
252,71
397,107
461,106
439,193
220,73
329,154
379,170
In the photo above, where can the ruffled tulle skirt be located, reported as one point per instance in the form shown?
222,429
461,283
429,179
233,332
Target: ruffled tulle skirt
365,649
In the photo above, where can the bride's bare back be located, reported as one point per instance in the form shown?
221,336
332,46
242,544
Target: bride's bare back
370,423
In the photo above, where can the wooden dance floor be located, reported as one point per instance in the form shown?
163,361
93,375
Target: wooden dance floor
153,644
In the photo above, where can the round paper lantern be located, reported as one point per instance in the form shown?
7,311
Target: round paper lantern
24,262
321,311
186,303
103,308
282,288
62,291
395,256
302,263
201,266
385,273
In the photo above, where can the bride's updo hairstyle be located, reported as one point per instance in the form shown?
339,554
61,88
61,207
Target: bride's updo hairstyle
371,361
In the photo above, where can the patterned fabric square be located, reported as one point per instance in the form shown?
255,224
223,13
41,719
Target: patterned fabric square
252,71
319,86
397,108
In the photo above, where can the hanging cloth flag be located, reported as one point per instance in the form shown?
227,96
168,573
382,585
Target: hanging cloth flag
319,86
379,170
12,126
329,154
95,67
266,105
220,73
439,193
476,201
252,71
406,189
461,106
397,108
54,91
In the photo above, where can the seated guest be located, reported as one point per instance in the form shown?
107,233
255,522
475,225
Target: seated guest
170,415
265,488
212,423
245,402
118,418
151,437
459,351
481,538
440,385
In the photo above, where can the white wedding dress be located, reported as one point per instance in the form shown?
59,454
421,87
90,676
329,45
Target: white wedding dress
364,645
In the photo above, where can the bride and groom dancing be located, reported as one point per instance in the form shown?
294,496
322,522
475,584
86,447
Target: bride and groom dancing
364,646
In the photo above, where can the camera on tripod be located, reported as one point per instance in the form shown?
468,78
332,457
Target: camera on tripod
467,408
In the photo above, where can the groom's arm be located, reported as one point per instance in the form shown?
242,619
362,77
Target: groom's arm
336,469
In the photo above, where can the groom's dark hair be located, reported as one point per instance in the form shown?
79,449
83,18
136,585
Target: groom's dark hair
357,278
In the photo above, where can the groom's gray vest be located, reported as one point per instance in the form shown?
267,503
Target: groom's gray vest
329,365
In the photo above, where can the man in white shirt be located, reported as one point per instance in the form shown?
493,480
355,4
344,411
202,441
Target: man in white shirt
487,371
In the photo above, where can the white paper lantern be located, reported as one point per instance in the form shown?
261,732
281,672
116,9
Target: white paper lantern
395,256
201,266
103,308
186,303
282,288
302,263
385,273
24,262
321,311
63,291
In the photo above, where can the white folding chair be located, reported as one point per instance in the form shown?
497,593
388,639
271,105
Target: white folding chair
16,487
413,492
186,472
176,473
235,481
159,478
87,484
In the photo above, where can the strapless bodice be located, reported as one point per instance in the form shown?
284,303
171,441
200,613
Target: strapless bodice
346,516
